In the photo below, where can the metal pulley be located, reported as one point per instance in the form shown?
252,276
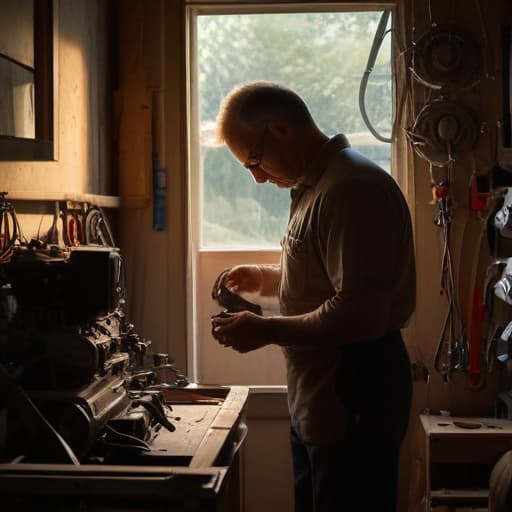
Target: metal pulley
443,131
446,56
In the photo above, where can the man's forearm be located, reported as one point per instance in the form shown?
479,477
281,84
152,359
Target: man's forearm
341,320
271,277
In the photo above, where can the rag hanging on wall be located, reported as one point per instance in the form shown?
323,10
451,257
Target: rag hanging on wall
498,282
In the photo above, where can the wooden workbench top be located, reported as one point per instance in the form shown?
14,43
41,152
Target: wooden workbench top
204,417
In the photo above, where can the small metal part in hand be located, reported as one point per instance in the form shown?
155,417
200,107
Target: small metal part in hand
222,314
229,300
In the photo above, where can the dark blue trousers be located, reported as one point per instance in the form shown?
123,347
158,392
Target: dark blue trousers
360,473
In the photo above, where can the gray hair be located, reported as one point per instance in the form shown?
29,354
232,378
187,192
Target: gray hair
251,106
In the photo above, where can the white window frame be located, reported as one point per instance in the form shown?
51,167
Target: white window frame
194,9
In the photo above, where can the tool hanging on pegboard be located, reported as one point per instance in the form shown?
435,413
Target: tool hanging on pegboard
447,56
452,349
446,60
498,283
10,229
442,132
73,216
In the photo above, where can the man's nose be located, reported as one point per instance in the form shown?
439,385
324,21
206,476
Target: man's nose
259,175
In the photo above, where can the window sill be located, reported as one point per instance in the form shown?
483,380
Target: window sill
234,250
267,402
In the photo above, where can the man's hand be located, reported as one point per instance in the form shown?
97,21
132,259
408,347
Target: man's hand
242,331
259,279
244,278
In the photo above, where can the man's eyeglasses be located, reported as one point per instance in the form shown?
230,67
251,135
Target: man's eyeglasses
254,159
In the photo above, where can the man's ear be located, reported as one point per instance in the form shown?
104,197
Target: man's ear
280,128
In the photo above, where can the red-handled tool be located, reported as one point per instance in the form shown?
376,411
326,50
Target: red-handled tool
74,231
5,233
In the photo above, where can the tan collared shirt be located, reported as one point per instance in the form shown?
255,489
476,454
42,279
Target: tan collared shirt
349,229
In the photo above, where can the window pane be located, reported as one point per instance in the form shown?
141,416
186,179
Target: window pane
322,56
17,116
17,31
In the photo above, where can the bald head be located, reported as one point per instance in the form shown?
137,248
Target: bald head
249,107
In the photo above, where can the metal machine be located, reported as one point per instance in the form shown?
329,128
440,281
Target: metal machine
79,385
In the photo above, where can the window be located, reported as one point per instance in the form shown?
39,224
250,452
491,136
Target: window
322,56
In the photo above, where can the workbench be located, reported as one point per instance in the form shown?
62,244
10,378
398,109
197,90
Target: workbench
460,455
204,475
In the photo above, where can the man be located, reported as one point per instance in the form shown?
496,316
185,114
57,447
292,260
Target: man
346,286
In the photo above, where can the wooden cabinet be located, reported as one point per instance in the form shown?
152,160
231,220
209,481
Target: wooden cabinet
460,455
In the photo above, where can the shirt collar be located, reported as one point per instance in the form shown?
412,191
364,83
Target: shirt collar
332,146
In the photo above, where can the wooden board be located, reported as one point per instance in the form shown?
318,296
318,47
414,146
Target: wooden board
220,428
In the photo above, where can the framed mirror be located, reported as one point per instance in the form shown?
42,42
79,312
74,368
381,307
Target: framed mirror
26,80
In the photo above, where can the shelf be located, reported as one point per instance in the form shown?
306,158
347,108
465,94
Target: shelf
100,200
459,494
448,426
